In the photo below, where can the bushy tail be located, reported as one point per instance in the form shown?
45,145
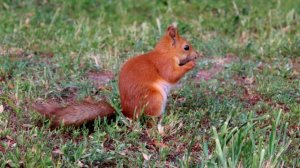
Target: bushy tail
74,113
46,108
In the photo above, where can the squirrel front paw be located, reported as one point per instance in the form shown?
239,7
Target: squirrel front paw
190,65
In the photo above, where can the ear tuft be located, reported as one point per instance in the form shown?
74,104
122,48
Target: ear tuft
172,31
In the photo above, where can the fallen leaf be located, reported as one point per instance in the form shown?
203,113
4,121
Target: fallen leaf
9,138
27,125
1,108
80,164
123,153
161,129
13,145
57,151
181,99
9,163
146,157
27,22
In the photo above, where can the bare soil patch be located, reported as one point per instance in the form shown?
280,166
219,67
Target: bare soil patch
218,66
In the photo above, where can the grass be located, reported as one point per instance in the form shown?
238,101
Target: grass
245,116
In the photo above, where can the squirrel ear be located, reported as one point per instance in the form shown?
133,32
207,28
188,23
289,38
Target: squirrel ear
172,32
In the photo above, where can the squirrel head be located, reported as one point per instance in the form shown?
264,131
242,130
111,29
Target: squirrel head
177,46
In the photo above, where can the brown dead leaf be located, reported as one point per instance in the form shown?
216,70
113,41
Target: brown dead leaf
100,78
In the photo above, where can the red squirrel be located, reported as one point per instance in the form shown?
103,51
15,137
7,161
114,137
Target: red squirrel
144,83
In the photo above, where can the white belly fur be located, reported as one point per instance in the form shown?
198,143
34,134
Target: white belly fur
164,88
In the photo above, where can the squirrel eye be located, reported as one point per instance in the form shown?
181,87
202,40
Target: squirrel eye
186,47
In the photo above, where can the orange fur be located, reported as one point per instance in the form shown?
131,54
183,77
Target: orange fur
144,84
145,80
75,113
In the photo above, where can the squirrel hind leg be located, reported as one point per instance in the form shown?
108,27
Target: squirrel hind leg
153,105
156,105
